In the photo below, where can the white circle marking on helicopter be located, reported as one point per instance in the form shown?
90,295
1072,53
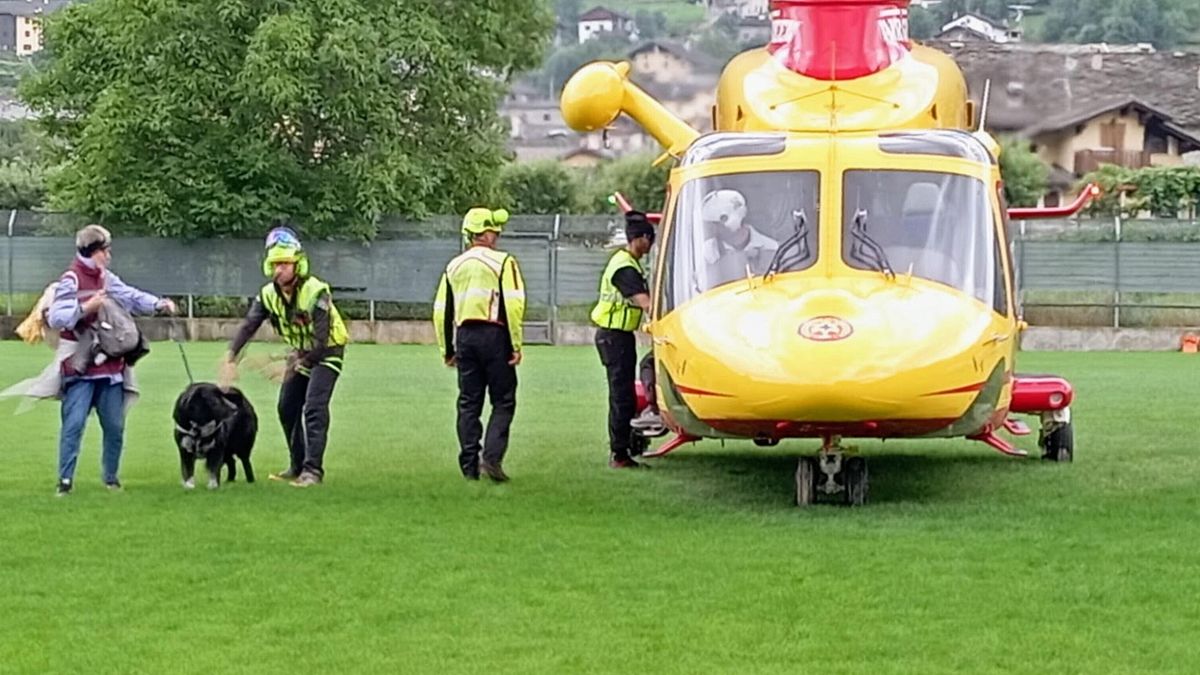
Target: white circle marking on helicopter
826,329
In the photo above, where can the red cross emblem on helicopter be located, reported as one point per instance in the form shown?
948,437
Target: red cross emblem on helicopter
826,329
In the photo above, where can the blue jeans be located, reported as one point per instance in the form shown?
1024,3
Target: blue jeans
79,397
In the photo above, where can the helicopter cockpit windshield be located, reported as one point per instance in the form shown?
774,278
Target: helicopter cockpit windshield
938,226
731,226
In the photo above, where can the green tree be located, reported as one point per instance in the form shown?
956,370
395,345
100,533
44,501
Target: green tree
1164,191
202,119
539,188
1168,190
19,139
922,23
1024,173
949,10
996,10
1113,181
1163,23
568,11
650,25
634,176
562,63
720,41
22,185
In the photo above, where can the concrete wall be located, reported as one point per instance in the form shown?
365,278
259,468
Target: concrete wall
1103,339
421,332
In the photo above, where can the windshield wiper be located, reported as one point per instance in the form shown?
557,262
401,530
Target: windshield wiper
866,250
794,250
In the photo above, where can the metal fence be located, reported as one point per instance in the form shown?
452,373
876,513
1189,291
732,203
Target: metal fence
561,258
1108,266
1119,273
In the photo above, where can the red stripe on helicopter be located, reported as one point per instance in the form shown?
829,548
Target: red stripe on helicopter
958,390
700,392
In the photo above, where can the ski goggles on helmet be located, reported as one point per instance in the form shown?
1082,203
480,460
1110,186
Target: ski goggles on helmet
283,236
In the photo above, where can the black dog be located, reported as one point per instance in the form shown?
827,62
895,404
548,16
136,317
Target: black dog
218,426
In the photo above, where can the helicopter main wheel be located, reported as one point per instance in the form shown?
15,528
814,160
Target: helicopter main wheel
1058,443
1057,436
806,481
638,444
854,476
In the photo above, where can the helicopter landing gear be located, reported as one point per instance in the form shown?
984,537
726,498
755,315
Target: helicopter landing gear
831,474
638,444
1057,437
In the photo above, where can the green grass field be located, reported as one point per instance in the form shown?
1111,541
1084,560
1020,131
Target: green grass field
965,561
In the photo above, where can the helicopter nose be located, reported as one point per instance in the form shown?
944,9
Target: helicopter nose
864,351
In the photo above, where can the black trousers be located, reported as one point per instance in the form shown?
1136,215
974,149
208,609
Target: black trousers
304,414
618,353
482,351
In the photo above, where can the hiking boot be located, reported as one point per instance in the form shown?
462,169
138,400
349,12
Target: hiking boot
307,479
64,488
288,475
624,462
494,472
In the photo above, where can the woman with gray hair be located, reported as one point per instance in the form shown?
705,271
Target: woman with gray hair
99,383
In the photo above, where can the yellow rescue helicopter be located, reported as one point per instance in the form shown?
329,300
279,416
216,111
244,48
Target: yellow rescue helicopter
835,257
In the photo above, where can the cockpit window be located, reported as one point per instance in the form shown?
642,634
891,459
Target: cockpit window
739,144
732,226
938,226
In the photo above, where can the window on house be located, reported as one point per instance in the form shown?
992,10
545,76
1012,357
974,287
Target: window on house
1113,135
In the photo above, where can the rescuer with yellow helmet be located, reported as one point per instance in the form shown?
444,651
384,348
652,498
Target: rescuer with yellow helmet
477,315
301,310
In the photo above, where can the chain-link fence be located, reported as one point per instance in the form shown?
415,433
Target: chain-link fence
1086,272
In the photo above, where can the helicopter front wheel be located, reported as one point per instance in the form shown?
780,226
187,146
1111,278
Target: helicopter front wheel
806,481
854,475
834,475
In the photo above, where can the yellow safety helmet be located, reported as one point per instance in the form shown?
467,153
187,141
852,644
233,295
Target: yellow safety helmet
479,220
283,246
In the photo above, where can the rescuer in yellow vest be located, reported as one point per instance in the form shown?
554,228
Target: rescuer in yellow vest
624,299
477,316
301,310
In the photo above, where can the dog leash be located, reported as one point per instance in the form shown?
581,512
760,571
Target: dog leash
179,343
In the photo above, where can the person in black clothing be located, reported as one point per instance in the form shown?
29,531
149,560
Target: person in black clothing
624,299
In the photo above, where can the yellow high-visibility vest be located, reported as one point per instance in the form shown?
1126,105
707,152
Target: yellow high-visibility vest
294,322
614,311
473,285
